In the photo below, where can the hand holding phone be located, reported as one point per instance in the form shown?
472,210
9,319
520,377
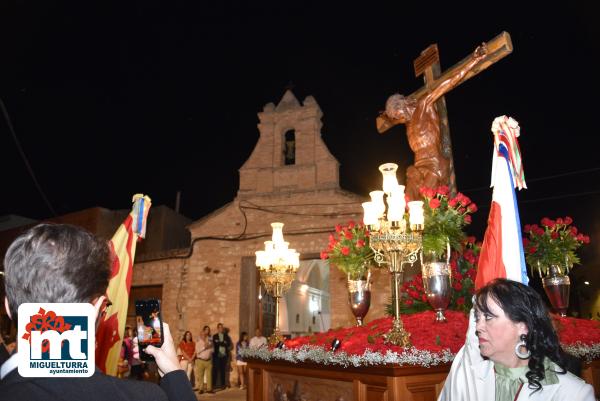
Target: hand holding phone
149,326
166,355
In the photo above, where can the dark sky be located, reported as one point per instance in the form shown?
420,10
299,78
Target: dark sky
112,98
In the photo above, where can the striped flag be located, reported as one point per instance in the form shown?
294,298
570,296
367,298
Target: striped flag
501,256
502,251
110,331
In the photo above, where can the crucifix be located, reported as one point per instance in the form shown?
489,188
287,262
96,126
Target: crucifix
425,116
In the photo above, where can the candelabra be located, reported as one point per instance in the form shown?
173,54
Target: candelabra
394,240
277,266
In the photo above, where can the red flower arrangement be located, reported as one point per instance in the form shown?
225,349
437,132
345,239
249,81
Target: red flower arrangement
445,218
464,269
552,243
349,249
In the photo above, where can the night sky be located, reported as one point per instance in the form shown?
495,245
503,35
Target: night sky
112,98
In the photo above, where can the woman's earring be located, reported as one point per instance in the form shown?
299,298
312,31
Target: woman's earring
522,343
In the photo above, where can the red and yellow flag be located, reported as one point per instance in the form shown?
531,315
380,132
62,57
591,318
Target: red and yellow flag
110,331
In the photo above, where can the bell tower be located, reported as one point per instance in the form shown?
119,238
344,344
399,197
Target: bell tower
290,155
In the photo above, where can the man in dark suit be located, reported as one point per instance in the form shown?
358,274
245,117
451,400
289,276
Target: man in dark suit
62,263
222,347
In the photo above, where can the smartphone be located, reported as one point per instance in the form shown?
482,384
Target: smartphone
149,326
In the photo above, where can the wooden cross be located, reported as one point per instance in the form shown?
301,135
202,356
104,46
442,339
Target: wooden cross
428,65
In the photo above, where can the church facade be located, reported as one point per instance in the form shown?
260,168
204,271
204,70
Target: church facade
290,177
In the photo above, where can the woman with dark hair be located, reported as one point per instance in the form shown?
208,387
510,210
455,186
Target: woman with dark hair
187,353
519,354
242,368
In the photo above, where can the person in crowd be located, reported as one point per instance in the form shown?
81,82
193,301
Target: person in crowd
258,340
228,366
204,352
221,345
514,352
123,365
186,353
242,367
63,263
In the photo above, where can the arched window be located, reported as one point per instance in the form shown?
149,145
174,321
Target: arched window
289,148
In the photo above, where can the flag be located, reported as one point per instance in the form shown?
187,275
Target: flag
109,334
501,256
502,250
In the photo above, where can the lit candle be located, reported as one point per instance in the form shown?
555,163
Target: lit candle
388,170
277,232
415,209
260,258
369,217
377,201
396,206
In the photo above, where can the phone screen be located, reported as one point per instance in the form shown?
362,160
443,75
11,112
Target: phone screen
149,327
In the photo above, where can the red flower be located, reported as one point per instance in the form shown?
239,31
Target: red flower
427,192
559,221
546,222
460,301
360,243
457,286
527,228
472,208
434,203
338,228
345,251
468,219
453,202
348,234
568,220
573,231
324,255
586,239
554,235
443,190
525,242
463,199
409,302
471,240
351,224
533,249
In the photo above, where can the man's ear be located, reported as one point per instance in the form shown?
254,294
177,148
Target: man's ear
7,308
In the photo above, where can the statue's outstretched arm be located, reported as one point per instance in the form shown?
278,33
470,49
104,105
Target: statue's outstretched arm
445,86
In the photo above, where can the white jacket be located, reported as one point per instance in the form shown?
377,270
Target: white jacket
472,378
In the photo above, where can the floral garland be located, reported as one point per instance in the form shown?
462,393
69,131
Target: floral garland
364,346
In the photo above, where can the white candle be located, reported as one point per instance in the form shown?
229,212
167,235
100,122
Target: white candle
388,170
369,217
415,209
396,206
377,201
